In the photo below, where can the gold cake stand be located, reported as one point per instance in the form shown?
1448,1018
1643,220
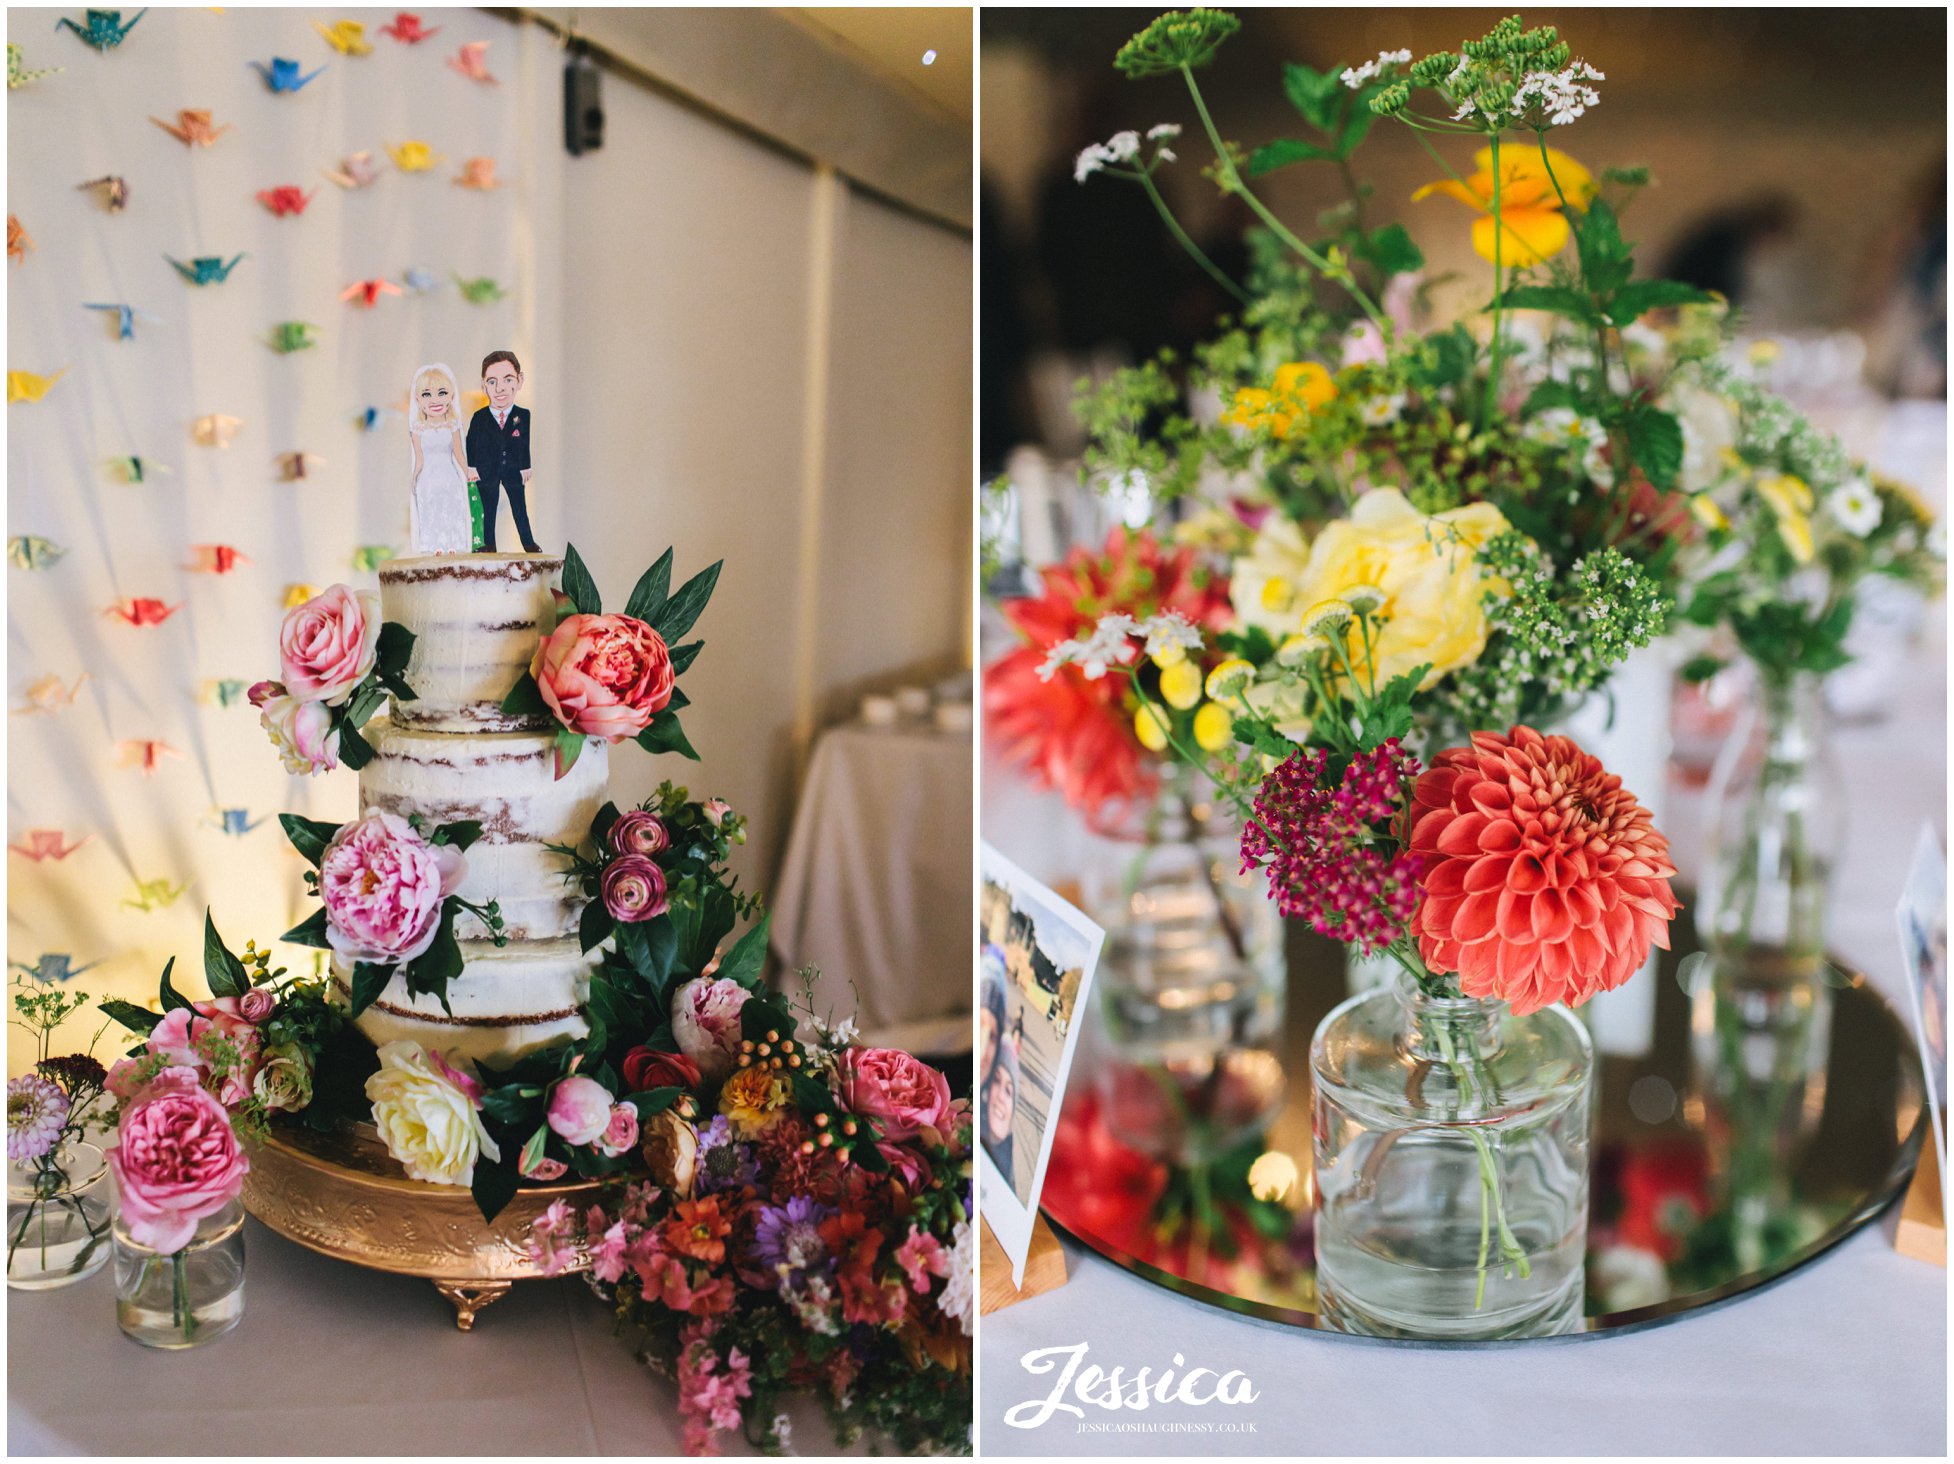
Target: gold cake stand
344,1196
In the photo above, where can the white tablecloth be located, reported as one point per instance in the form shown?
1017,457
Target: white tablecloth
876,886
330,1359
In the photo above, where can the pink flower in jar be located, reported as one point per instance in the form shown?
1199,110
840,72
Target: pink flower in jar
383,885
327,645
604,675
176,1161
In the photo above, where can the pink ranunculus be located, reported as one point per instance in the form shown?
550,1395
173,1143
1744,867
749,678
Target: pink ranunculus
706,1023
302,731
580,1110
903,1093
640,831
620,1135
326,646
542,1169
633,888
176,1160
383,885
604,675
256,1005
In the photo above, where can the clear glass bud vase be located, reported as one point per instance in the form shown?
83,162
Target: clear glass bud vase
1451,1166
183,1298
57,1218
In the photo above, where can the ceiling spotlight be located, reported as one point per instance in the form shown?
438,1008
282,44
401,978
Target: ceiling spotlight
929,58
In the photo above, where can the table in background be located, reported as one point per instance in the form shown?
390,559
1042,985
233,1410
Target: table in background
876,886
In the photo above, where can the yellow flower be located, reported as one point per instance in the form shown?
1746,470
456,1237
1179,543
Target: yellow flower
1146,727
1298,648
1285,704
1326,616
1786,494
1764,352
1277,594
1180,685
1708,514
1229,678
1171,654
1214,727
754,1099
1796,532
1300,387
1278,555
1429,572
1531,225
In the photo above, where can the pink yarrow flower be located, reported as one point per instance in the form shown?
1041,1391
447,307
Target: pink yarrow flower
383,885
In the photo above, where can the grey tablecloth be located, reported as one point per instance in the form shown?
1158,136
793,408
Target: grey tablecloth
330,1359
876,886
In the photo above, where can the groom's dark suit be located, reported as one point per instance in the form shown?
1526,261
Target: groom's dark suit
500,456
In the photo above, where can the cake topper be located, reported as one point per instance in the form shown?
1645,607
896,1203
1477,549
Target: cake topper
441,516
498,449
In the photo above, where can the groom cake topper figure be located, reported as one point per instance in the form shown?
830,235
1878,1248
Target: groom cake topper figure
498,450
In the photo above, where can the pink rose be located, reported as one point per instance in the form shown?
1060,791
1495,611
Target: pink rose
327,645
620,1135
706,1023
544,1170
302,731
905,1094
176,1161
383,885
604,675
640,831
633,888
580,1110
190,1038
256,1005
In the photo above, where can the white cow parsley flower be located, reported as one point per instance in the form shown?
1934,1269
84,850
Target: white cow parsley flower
1355,76
1169,630
1109,645
1162,130
1560,94
1855,506
1565,427
954,1301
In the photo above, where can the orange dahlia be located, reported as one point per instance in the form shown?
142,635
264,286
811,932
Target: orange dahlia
1544,880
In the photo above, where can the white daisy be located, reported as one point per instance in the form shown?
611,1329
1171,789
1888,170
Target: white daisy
1855,506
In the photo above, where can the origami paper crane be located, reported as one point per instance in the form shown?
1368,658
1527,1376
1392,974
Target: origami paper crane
17,73
155,894
53,966
414,157
288,198
192,127
234,821
205,269
143,611
420,281
31,551
472,62
146,753
216,430
48,844
25,386
297,594
369,557
357,171
292,465
115,192
18,241
133,470
482,291
366,293
217,558
283,74
49,695
292,335
103,29
227,691
478,173
125,319
408,30
348,37
370,418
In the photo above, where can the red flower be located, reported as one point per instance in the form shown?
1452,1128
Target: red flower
1070,733
1544,879
697,1229
645,1070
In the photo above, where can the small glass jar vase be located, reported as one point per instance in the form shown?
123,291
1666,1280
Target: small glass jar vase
58,1218
186,1298
1451,1166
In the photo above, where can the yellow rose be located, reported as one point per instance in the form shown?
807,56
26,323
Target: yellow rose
1429,572
426,1121
753,1099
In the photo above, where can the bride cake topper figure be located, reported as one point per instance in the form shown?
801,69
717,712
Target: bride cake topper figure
498,449
442,515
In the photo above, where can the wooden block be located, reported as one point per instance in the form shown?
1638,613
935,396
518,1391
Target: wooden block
1044,1269
1922,1232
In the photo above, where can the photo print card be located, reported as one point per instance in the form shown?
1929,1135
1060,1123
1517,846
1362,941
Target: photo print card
1923,944
1036,955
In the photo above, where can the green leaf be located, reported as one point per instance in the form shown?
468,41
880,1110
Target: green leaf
1392,250
493,1186
525,698
682,611
665,735
578,584
748,957
366,701
308,835
507,1104
569,746
1548,395
683,656
135,1018
399,689
369,980
533,1150
653,588
1285,151
391,651
653,1101
1560,299
310,932
172,998
1655,441
354,750
1606,259
1316,95
429,973
1635,300
594,928
1700,668
459,834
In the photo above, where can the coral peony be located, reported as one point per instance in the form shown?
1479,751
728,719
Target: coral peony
428,1115
302,731
327,645
604,675
383,885
176,1161
1544,880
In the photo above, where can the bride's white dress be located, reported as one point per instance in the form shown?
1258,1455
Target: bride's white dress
439,516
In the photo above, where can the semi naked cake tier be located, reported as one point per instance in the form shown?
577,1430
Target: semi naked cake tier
476,619
508,1001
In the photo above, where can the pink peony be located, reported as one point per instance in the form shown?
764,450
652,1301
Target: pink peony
903,1093
327,645
604,675
633,888
194,1038
256,1005
302,731
640,831
176,1161
383,885
620,1135
580,1110
706,1023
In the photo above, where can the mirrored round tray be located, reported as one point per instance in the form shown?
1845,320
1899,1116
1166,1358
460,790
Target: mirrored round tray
1726,1153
